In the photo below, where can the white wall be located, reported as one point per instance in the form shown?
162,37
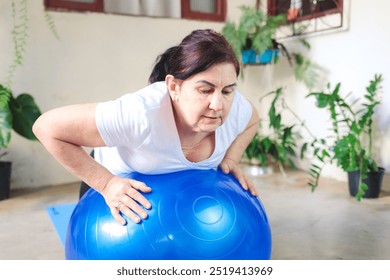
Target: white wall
351,57
102,56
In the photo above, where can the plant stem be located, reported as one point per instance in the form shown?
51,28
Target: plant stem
301,122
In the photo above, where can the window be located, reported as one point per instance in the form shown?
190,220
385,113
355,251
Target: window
75,5
298,10
309,16
212,10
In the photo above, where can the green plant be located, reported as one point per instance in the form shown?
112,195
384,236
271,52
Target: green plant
279,145
18,113
255,30
19,37
305,69
352,125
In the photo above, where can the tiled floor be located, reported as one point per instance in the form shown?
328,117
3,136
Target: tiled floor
326,224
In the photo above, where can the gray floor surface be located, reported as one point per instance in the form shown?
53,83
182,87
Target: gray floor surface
326,224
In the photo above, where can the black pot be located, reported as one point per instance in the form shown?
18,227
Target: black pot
373,181
5,175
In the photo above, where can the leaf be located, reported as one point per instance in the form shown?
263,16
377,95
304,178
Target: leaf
322,100
336,90
325,154
5,125
305,43
314,171
303,150
313,185
5,117
25,112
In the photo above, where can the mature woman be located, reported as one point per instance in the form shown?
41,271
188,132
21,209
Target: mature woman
189,117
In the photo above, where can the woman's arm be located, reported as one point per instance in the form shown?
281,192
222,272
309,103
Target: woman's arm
230,163
64,131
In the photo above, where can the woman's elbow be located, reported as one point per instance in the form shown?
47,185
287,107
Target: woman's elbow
40,126
255,119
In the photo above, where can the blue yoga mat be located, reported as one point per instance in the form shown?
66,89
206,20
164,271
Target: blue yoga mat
60,216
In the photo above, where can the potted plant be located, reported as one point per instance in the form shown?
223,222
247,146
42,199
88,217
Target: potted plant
18,114
352,125
253,41
278,145
253,38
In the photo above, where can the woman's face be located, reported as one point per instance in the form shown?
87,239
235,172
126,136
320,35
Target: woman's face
203,100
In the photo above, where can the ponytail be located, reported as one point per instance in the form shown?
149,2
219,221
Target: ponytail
161,67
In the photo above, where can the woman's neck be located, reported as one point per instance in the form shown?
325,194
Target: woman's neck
196,146
197,149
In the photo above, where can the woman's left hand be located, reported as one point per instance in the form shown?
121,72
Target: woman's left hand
230,166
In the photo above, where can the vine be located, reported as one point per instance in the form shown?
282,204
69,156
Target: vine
50,22
19,37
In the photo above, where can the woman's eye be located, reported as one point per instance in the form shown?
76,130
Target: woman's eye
206,91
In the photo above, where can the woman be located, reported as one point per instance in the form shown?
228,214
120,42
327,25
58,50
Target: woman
189,117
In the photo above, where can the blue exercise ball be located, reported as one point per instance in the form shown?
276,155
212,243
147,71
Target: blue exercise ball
195,214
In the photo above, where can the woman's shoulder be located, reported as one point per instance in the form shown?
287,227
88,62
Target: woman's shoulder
239,115
240,103
148,98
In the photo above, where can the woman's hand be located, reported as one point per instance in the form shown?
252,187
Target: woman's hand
230,166
124,195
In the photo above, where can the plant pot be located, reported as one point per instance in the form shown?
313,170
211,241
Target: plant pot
266,57
373,181
248,56
5,175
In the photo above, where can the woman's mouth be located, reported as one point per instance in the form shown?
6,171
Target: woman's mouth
212,117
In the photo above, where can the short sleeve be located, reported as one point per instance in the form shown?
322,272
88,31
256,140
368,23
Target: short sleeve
122,122
241,110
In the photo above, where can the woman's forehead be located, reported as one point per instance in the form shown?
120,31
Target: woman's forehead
217,75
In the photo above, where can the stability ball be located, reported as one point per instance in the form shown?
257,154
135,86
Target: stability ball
195,214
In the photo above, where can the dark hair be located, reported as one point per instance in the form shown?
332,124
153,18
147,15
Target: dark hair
196,53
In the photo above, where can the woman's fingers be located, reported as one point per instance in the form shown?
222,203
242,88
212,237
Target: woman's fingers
117,216
131,206
124,197
134,193
251,187
245,182
230,166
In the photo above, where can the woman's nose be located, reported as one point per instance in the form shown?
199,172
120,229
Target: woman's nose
216,102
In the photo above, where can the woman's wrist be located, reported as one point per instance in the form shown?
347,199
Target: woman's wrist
231,159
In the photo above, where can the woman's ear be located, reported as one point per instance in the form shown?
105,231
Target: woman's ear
172,86
170,81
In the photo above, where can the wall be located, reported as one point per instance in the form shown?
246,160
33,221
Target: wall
102,56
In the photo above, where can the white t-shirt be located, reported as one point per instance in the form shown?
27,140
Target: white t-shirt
140,133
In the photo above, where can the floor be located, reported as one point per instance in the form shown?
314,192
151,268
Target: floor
323,225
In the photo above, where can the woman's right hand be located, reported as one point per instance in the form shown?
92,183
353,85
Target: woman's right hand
124,195
64,132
